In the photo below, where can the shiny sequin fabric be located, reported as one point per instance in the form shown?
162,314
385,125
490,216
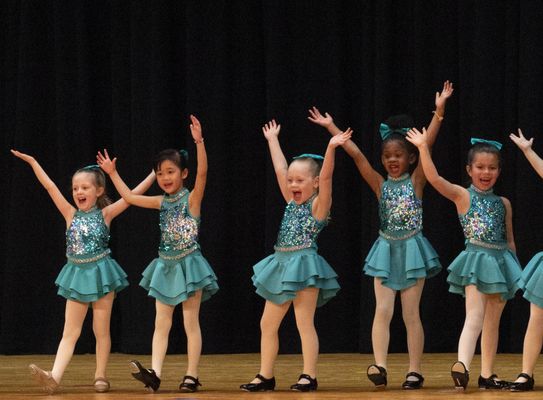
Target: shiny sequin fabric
299,229
485,219
400,211
178,229
87,234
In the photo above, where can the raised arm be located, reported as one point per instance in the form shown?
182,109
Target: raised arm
65,208
280,165
455,193
372,177
433,128
323,202
110,167
113,210
526,146
197,194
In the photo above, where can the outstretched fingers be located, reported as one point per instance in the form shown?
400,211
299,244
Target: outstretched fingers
104,162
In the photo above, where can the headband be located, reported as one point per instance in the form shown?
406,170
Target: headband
315,157
90,167
386,131
497,145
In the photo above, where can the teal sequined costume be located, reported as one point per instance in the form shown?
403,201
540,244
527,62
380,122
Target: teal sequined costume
90,273
180,269
487,262
295,265
401,254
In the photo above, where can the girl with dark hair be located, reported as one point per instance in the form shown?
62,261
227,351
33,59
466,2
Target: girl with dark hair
180,274
90,275
487,272
401,258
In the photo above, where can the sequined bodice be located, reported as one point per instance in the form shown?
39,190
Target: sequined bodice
178,229
87,234
485,219
299,229
400,211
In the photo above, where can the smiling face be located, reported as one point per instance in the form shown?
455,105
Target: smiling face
396,159
484,170
85,192
170,177
301,180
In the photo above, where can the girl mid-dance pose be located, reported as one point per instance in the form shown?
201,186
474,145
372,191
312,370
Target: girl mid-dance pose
90,275
295,274
487,271
180,274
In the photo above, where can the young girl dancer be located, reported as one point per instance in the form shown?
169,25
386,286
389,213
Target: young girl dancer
90,275
487,271
295,273
531,281
180,274
401,258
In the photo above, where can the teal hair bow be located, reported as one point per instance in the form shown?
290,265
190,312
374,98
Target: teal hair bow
497,145
309,155
386,131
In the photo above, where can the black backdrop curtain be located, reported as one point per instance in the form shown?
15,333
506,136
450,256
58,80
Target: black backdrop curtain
81,76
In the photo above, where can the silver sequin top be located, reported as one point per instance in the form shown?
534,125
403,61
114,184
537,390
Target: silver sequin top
400,211
87,234
299,229
178,229
485,219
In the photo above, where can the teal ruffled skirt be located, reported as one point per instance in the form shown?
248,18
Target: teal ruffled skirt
174,281
279,276
88,282
400,263
531,280
490,270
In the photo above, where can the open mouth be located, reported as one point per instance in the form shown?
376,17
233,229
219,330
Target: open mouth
297,196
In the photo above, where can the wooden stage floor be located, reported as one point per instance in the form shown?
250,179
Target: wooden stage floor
341,376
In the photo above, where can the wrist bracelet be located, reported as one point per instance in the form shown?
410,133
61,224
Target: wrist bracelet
439,117
199,141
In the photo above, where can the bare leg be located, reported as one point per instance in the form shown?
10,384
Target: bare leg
473,325
101,318
305,304
163,324
269,342
489,338
74,317
191,321
533,341
380,331
415,333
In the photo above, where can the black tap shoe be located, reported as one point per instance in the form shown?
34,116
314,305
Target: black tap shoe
409,384
522,386
146,376
305,387
264,385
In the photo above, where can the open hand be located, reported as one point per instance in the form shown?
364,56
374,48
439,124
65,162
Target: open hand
441,98
196,129
271,129
340,139
522,143
317,118
23,156
416,137
107,165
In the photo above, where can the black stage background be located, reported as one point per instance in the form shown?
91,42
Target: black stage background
79,76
